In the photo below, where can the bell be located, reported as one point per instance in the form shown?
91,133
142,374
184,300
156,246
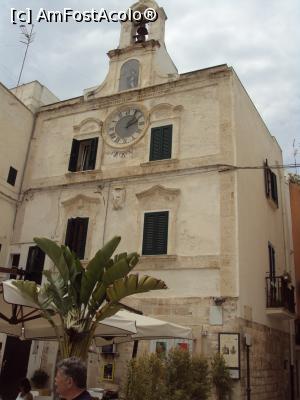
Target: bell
142,30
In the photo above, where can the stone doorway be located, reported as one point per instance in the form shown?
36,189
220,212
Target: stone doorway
14,366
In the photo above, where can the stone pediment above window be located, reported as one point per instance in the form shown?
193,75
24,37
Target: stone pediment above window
158,207
89,126
165,110
169,194
80,201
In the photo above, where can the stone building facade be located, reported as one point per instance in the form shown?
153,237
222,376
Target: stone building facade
183,168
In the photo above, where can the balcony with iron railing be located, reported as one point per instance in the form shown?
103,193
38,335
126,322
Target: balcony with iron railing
11,273
280,297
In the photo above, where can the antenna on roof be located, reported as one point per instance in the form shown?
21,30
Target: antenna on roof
27,40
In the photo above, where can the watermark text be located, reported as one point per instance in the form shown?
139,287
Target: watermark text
68,14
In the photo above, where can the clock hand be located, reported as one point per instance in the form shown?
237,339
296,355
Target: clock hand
131,122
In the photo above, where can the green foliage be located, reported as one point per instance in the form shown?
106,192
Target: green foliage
178,364
221,377
132,285
294,178
176,377
95,269
200,385
81,297
146,378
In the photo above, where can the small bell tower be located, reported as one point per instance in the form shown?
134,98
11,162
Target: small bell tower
144,30
141,58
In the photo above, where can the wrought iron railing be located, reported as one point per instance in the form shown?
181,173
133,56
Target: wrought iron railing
280,293
11,272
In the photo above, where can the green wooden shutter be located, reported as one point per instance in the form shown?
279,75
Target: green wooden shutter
12,176
70,233
272,266
93,153
161,234
155,237
82,227
274,187
35,264
149,233
266,175
74,155
156,144
161,143
167,142
76,235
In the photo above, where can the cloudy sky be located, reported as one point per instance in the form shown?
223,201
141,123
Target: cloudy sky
259,38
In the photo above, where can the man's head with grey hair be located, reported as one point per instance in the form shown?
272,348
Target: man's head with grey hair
70,378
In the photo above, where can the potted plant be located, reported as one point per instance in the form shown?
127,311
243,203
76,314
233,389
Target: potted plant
221,377
82,297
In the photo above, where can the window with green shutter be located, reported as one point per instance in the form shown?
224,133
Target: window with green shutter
83,155
155,237
76,235
270,183
272,266
161,143
12,176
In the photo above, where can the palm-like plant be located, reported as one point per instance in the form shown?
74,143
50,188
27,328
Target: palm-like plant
82,297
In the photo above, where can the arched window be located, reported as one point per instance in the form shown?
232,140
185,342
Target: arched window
129,75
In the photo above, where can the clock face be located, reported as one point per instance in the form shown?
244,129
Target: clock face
125,126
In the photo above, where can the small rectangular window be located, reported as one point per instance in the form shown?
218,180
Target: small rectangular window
161,143
12,176
155,237
270,184
83,155
35,264
15,259
76,235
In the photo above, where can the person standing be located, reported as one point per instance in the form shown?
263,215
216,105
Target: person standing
70,379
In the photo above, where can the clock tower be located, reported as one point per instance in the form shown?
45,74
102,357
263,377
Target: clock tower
141,58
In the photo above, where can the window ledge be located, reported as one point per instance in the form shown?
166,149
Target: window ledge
160,162
85,172
272,203
159,257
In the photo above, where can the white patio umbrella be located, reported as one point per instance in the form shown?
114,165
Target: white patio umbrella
149,328
20,317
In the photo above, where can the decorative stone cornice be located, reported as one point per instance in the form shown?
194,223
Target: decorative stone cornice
94,123
81,199
71,106
160,190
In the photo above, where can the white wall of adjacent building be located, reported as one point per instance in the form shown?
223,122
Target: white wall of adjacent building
16,124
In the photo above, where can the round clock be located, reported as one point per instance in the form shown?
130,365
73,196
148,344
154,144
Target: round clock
125,126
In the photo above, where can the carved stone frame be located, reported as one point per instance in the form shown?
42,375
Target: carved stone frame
84,206
159,198
161,115
90,128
